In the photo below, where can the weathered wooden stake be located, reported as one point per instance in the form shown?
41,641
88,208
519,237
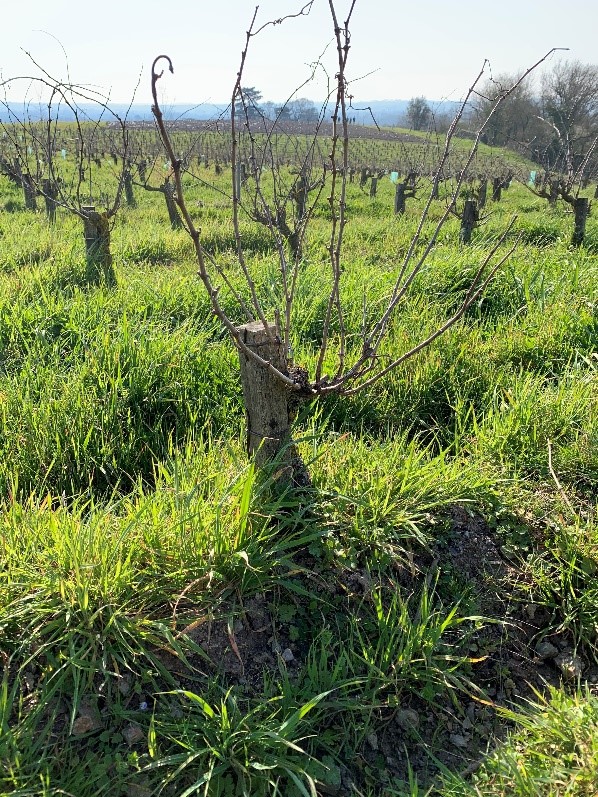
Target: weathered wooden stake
400,197
496,189
482,192
128,185
300,194
173,212
29,192
266,397
468,220
50,190
96,229
581,207
373,186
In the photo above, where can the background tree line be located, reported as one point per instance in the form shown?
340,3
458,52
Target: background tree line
550,122
562,117
298,110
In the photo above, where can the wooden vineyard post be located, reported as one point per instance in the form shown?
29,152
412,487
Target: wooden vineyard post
581,207
468,220
496,189
266,397
96,229
373,187
173,212
400,198
50,190
29,192
141,170
128,186
300,194
482,192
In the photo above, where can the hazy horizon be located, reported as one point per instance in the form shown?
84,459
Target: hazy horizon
398,50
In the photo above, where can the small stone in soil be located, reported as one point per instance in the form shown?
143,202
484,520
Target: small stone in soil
570,666
133,734
408,719
457,740
546,650
287,655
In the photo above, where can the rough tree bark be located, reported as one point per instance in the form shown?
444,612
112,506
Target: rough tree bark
269,404
141,170
300,196
128,186
29,191
581,208
400,197
496,189
173,213
266,397
50,190
468,220
482,192
96,229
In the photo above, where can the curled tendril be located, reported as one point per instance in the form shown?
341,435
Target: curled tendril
157,75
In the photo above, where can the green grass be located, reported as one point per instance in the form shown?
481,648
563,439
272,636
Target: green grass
554,752
173,623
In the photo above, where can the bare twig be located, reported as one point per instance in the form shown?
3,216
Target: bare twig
196,236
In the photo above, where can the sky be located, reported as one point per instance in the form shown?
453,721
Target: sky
399,48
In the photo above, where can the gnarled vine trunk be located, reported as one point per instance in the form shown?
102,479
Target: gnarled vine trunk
269,403
96,230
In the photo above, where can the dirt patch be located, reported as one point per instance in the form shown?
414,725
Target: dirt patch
512,658
242,644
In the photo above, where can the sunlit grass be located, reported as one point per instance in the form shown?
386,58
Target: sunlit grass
130,513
